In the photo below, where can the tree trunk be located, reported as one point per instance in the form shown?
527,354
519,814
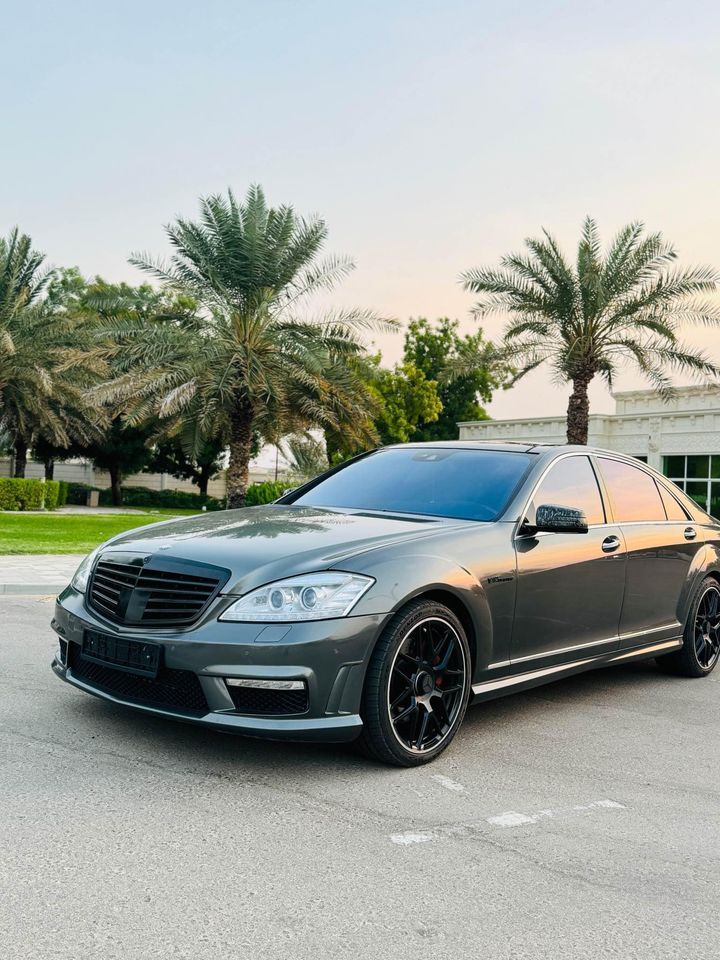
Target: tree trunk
115,485
578,410
238,473
204,478
20,457
49,468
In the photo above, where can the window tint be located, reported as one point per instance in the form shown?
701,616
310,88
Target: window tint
672,508
633,492
572,483
439,481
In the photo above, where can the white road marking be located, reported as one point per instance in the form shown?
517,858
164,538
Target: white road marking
407,838
447,783
511,818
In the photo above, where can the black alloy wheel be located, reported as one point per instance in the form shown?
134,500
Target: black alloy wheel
417,686
701,639
707,628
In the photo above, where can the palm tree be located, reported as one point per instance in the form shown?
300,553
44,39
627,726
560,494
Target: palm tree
305,455
41,390
245,362
627,304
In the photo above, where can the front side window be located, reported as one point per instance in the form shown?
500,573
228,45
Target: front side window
633,493
437,481
572,483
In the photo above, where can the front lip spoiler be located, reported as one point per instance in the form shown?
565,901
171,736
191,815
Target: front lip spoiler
319,730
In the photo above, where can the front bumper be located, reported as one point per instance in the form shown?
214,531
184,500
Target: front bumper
330,656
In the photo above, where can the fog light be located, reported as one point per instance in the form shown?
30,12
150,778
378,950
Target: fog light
266,684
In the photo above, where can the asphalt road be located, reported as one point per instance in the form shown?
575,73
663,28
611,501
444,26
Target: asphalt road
578,820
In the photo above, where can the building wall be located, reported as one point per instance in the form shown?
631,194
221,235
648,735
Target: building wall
681,437
642,425
83,472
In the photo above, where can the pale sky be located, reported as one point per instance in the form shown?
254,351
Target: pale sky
432,136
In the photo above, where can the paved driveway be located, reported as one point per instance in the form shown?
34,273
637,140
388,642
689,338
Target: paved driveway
578,820
39,573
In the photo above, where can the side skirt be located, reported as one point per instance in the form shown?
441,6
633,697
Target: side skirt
490,689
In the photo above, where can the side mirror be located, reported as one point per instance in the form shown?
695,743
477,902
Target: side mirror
551,518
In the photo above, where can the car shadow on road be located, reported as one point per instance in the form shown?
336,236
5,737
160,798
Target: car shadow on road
167,743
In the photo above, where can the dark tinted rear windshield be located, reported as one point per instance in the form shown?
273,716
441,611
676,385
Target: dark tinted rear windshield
461,484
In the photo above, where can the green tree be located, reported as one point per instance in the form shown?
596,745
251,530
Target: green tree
406,398
47,361
169,456
246,360
466,369
401,398
626,304
121,450
305,455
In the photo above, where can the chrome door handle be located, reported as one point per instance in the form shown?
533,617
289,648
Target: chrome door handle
690,533
610,543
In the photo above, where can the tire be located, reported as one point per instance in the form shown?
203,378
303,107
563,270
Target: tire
421,667
700,651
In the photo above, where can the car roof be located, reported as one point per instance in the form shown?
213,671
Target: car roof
514,446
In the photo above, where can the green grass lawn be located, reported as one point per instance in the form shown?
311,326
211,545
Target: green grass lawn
70,533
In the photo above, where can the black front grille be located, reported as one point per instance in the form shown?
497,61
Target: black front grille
153,591
177,690
256,700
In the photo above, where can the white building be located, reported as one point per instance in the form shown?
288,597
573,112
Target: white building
680,437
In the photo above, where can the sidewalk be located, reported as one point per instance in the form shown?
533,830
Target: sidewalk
41,573
90,511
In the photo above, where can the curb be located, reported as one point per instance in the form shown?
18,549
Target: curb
31,589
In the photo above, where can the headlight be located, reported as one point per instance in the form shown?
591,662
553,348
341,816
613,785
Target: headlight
315,596
80,577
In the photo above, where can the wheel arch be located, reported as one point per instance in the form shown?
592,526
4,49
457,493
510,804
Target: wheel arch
454,603
705,564
400,580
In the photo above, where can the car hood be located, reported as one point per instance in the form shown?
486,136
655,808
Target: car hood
260,544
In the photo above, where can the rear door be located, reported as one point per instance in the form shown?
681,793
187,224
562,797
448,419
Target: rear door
569,585
661,541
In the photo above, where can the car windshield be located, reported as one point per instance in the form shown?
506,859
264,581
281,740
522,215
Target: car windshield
441,482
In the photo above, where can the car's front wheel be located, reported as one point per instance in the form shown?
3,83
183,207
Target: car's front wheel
417,685
701,639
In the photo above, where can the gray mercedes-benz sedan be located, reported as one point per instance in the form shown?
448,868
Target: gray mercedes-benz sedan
378,600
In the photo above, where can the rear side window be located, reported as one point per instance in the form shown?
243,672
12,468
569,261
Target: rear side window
633,493
672,508
572,483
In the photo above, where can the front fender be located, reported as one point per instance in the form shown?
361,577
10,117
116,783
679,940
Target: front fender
400,579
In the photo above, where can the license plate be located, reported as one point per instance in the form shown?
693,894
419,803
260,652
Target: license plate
131,656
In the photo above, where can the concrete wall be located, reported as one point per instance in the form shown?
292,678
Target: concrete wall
82,472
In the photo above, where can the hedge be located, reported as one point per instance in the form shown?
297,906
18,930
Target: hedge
145,497
257,494
77,493
18,493
267,492
63,490
52,494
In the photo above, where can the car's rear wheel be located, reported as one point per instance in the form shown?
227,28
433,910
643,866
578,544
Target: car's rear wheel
417,685
700,651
